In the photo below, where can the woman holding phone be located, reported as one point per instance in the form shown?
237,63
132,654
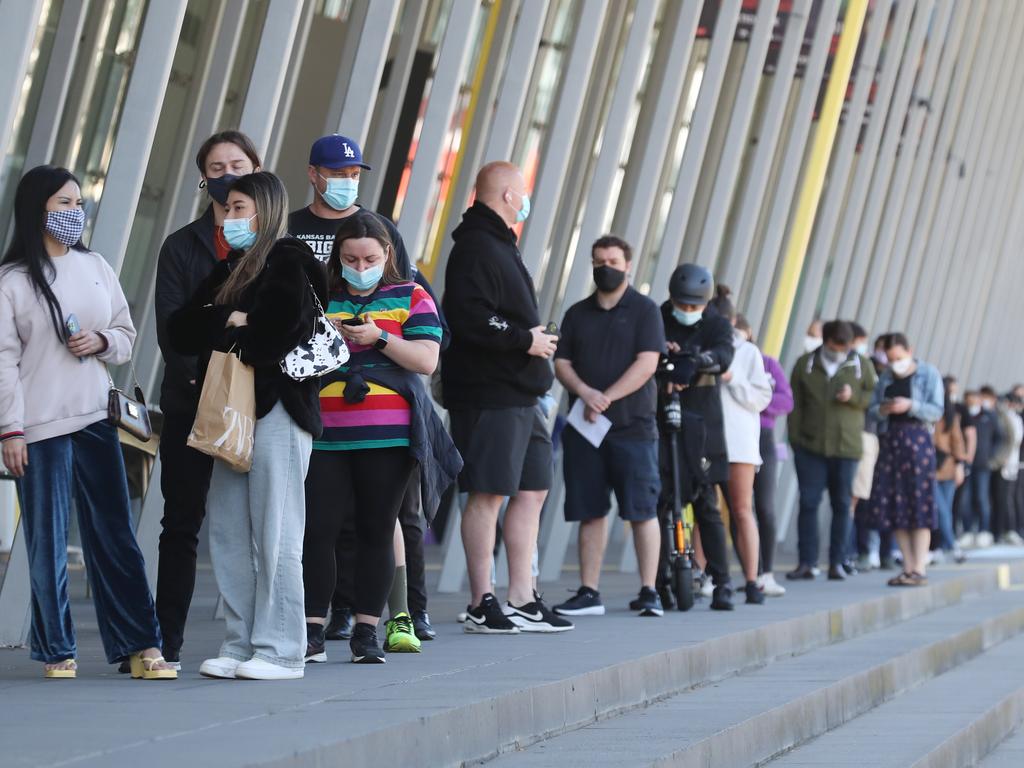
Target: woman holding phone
378,425
64,318
908,400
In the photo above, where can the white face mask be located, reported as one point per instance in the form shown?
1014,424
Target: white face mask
902,367
974,410
811,343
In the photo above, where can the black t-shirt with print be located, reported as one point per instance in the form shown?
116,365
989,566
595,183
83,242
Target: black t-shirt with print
319,234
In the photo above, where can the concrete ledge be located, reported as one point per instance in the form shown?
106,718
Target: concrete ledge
970,744
489,727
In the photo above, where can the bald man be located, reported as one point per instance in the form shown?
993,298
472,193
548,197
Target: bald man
492,376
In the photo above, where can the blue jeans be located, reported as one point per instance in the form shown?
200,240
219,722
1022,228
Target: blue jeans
977,501
85,467
944,491
816,473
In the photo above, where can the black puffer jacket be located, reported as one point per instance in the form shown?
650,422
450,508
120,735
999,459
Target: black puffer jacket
491,306
186,259
281,313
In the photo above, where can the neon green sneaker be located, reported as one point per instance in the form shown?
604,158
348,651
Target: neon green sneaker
401,636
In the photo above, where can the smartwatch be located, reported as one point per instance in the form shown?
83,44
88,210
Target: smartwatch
382,341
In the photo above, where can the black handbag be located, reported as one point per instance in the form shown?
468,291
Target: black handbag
129,413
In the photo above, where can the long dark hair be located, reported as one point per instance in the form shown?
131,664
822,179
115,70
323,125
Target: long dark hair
271,201
27,248
356,227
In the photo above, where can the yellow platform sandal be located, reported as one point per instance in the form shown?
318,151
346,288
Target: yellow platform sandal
62,670
147,668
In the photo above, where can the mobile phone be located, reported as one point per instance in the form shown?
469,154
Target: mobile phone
551,328
72,325
353,321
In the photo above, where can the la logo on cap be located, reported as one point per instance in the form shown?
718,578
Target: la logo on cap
348,150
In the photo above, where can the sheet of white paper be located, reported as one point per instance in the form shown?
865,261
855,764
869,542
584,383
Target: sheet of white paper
593,432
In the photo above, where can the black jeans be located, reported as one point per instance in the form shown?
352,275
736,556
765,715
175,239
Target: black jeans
411,520
1004,505
362,489
184,481
765,488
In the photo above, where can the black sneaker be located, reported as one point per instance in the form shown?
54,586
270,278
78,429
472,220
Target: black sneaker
536,617
315,651
421,623
488,619
364,645
754,594
721,598
340,625
850,567
647,603
586,602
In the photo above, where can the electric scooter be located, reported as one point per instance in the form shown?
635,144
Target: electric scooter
675,579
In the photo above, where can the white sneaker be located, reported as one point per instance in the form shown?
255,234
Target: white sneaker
985,539
769,586
874,560
707,588
1014,539
258,669
966,541
221,668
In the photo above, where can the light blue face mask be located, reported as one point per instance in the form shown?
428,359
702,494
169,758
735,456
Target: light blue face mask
340,194
365,280
524,212
237,233
686,318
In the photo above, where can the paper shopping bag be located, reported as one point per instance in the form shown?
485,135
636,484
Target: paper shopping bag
226,418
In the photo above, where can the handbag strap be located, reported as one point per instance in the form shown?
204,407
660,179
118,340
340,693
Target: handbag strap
135,379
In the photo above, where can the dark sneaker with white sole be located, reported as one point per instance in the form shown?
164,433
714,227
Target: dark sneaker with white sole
536,617
316,653
647,603
586,602
488,619
364,645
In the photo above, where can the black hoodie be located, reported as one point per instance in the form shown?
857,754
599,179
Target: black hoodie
491,306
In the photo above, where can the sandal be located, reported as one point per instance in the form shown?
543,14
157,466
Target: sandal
147,669
61,670
918,580
902,580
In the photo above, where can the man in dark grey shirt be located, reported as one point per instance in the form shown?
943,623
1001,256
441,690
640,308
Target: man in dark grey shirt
607,354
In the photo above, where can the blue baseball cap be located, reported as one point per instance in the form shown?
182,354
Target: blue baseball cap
335,152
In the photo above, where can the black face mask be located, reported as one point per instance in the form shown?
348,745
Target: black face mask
608,279
219,187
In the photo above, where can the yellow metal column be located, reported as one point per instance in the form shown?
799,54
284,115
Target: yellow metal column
429,266
814,178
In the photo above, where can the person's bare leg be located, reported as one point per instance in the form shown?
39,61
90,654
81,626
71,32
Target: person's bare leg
647,542
741,491
593,539
904,543
698,549
399,544
921,539
478,527
522,521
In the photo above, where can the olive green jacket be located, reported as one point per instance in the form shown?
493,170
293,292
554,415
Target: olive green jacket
821,424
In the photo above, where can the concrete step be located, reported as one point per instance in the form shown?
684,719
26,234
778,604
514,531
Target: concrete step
755,716
1009,754
951,721
464,698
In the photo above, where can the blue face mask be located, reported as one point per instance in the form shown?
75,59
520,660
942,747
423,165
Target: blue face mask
524,212
365,280
340,194
237,233
686,318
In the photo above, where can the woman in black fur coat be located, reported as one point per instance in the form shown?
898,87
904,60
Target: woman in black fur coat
259,301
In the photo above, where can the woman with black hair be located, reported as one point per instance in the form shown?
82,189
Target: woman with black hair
63,319
259,301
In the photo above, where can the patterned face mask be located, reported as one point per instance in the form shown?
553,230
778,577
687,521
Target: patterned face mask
66,225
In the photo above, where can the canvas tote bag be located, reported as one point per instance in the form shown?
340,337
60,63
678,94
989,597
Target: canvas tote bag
226,418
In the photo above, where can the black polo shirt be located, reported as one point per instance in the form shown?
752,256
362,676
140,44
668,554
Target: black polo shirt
602,343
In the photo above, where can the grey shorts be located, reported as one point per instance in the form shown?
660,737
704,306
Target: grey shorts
505,450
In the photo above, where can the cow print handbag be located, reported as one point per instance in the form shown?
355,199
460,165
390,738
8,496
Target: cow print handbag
325,351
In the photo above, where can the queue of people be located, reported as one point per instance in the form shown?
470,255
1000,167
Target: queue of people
323,527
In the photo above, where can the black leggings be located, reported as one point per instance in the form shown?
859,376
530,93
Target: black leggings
367,485
765,488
